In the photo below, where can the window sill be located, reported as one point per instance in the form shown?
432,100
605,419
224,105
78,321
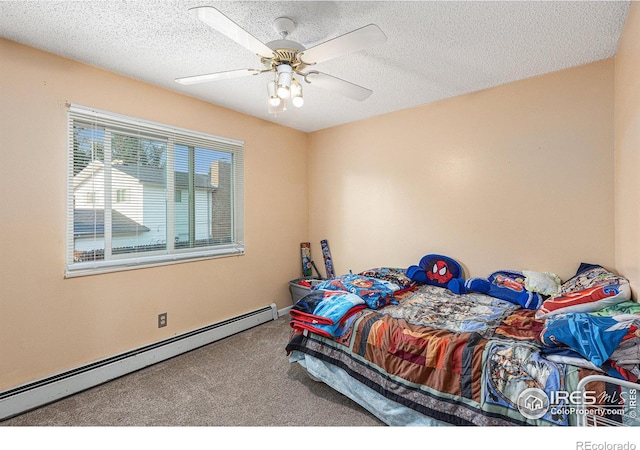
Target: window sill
81,269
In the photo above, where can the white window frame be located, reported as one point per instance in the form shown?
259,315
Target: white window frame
172,135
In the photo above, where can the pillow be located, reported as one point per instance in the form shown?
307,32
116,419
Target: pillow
592,288
545,283
438,270
376,293
506,285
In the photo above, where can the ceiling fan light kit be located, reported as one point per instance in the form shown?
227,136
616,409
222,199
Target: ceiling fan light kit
296,94
288,60
274,100
284,75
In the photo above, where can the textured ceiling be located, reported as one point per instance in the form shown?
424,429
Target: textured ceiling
434,50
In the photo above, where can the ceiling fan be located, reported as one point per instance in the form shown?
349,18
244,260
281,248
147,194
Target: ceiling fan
289,60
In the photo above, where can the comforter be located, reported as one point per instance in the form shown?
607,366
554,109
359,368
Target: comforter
461,359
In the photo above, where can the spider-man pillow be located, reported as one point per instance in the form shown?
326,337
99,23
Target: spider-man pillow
438,270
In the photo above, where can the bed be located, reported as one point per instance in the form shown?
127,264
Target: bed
424,351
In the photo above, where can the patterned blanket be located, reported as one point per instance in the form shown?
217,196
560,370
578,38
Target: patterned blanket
464,360
440,308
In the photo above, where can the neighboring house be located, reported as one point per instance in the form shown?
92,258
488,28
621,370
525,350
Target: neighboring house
140,207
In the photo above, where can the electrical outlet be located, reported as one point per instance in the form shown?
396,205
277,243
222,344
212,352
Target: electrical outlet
162,320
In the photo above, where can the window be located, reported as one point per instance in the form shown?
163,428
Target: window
143,194
121,195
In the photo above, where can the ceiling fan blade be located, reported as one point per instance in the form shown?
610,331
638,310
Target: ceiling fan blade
328,82
218,21
217,76
353,41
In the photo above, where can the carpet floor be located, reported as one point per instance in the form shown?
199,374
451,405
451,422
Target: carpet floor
243,380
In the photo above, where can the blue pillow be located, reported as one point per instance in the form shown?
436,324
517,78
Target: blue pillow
506,285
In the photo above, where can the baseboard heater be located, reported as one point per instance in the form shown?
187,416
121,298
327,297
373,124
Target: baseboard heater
38,393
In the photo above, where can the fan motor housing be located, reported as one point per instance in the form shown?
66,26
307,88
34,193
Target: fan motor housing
285,51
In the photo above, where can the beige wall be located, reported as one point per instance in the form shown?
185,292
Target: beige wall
515,177
48,323
627,145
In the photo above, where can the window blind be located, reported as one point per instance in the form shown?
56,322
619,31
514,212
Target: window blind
142,193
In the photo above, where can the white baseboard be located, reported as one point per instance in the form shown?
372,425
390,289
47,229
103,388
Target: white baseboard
33,395
284,311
